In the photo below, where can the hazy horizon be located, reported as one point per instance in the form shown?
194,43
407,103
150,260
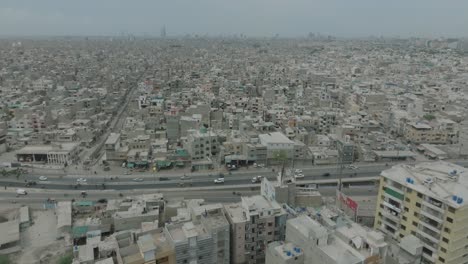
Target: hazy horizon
255,18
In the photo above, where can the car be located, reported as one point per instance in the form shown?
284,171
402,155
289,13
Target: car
138,179
261,165
298,175
43,178
163,178
219,180
255,165
298,171
326,174
185,177
81,180
257,179
352,167
21,192
102,200
128,173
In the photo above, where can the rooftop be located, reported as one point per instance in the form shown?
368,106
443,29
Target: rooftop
275,138
9,231
440,180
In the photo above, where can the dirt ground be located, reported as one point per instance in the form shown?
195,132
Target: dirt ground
39,241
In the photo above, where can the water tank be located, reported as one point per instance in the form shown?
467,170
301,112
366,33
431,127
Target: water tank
459,200
288,253
454,198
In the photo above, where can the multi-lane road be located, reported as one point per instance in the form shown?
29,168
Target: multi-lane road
170,180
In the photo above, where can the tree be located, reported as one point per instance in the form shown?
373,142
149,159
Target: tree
429,117
4,259
66,259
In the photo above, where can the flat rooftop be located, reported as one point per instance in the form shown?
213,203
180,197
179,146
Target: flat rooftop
9,232
446,180
275,137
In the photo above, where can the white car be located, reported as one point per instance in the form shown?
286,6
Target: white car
43,178
21,192
219,180
298,171
257,179
138,179
255,165
81,180
298,175
353,167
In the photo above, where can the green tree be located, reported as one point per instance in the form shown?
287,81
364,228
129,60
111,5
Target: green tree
4,259
429,117
66,259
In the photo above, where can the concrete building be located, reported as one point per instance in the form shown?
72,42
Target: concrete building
61,153
428,201
192,243
212,218
276,144
335,241
444,131
202,144
255,222
284,253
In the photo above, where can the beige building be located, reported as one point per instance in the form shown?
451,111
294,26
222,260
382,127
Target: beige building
255,222
427,201
445,131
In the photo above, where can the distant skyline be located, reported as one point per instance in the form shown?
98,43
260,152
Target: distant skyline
263,18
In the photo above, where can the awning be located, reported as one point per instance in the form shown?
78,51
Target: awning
130,165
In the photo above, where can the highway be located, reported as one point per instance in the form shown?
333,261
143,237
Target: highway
148,181
172,179
36,198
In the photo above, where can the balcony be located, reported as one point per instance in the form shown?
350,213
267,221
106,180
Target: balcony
425,234
393,207
390,214
432,206
430,227
432,216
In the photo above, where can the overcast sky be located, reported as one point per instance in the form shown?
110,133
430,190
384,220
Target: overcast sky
347,18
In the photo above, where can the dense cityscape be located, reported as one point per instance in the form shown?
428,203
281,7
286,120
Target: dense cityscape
236,150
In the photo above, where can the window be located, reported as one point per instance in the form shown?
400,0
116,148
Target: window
445,240
404,218
407,199
415,224
270,224
451,209
418,205
408,190
420,195
441,259
406,209
450,220
443,250
416,214
447,230
403,227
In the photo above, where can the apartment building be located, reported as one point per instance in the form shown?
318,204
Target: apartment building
255,222
427,201
444,131
279,252
202,144
333,241
277,142
192,243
